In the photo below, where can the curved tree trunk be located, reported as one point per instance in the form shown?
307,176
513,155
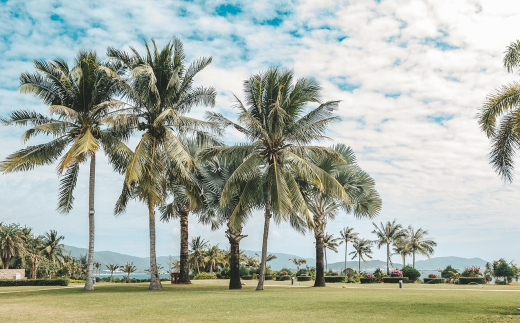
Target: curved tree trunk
267,219
155,281
184,276
320,274
89,284
388,259
234,237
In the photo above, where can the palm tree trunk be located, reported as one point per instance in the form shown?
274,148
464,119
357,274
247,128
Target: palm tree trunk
413,253
345,269
234,238
197,263
89,284
267,219
388,259
7,260
155,281
320,275
326,262
184,276
359,263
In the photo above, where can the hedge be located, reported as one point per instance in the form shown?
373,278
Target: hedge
434,280
303,278
282,278
268,277
393,280
247,277
34,282
467,280
367,280
335,279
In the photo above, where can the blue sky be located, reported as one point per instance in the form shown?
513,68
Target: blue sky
410,75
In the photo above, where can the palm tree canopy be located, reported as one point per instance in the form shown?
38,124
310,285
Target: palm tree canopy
387,233
362,249
499,118
53,249
80,105
348,235
331,243
419,242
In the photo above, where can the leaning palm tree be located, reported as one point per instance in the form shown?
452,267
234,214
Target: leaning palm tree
403,248
197,247
12,243
499,118
362,249
419,243
279,136
331,243
347,235
52,248
80,101
364,200
160,92
112,268
386,235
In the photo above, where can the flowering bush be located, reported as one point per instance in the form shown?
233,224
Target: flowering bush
432,276
471,272
396,273
282,273
371,276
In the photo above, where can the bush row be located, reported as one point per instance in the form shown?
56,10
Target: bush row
335,279
394,280
303,278
468,280
367,280
34,282
434,280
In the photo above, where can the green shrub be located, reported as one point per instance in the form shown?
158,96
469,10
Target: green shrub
243,271
367,280
247,277
34,282
76,281
467,280
205,275
282,278
268,277
301,272
449,272
335,279
434,280
303,278
410,272
394,280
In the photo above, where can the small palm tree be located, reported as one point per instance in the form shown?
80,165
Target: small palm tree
331,243
499,118
53,249
419,243
386,235
403,248
213,257
347,235
197,247
362,249
112,268
128,268
12,243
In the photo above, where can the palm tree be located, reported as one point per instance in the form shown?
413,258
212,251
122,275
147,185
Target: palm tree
347,235
12,243
79,100
364,200
197,246
419,243
279,136
386,235
161,92
212,257
128,268
403,248
331,243
97,265
362,248
112,268
34,249
53,249
499,118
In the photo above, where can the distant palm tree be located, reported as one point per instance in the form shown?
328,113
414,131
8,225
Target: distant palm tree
112,268
298,262
403,248
80,104
419,243
499,118
128,268
34,247
386,235
362,248
212,257
197,247
97,265
347,235
12,243
331,243
53,249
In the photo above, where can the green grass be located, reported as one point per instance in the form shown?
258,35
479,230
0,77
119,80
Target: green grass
211,301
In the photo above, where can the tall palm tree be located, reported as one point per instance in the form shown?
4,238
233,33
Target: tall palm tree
362,249
160,90
197,247
12,243
331,243
364,200
347,235
279,136
386,235
128,268
403,248
53,249
499,118
419,243
34,248
112,268
80,101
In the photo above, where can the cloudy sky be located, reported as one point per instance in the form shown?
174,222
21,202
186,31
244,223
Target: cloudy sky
411,76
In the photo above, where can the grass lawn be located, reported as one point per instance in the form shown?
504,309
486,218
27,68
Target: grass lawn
211,301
